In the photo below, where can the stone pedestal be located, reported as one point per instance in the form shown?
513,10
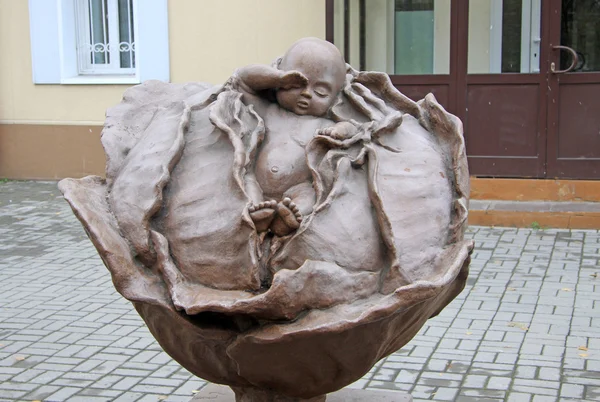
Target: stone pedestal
222,393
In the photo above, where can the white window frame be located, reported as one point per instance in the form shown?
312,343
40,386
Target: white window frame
54,44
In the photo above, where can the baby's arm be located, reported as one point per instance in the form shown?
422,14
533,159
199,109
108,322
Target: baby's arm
258,77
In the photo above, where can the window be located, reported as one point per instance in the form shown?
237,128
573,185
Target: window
105,36
99,41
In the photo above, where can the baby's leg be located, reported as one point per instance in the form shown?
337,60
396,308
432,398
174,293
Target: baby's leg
261,212
298,201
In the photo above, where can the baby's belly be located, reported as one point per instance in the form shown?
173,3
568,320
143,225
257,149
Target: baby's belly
281,167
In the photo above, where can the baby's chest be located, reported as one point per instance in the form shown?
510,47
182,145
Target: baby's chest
280,156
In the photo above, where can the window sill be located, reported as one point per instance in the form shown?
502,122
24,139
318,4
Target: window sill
101,80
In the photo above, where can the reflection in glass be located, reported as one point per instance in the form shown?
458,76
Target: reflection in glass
396,36
413,37
580,30
512,17
504,36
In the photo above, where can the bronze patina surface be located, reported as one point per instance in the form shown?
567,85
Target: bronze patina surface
284,231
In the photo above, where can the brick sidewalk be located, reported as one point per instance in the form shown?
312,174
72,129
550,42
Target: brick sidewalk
527,327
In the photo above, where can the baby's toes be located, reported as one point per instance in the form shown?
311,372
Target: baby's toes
251,208
272,203
286,201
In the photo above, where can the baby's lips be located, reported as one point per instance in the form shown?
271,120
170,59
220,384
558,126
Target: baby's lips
303,104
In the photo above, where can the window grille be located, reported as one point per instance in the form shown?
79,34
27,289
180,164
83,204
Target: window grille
105,37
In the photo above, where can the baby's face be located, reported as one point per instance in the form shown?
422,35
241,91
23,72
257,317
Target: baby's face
314,99
325,80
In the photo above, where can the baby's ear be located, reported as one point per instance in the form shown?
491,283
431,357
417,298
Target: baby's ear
277,63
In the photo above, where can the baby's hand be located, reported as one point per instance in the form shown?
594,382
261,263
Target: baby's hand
341,131
293,79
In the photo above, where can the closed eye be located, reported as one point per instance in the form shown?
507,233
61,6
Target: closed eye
322,94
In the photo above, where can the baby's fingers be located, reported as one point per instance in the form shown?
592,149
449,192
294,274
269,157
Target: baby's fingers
294,79
325,131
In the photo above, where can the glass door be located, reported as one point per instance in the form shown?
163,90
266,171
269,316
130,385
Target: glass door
504,94
523,75
574,88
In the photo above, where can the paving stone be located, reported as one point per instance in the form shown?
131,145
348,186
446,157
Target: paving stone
130,397
475,381
62,394
542,398
80,338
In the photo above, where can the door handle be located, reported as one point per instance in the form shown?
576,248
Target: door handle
574,60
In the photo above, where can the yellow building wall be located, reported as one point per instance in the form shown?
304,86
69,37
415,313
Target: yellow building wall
208,39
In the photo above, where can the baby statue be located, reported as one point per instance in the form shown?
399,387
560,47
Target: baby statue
307,82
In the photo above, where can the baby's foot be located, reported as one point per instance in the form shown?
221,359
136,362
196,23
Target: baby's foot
262,214
288,218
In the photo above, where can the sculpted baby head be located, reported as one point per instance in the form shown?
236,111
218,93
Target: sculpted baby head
324,67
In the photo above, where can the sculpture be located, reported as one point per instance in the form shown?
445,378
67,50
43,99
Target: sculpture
284,231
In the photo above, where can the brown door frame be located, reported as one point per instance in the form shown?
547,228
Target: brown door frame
516,166
573,168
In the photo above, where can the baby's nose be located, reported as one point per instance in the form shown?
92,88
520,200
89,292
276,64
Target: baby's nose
306,93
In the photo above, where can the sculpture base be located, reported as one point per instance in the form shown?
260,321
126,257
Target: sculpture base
222,393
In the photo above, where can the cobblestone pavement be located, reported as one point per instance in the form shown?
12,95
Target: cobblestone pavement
526,328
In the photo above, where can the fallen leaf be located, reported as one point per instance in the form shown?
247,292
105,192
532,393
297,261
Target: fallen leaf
195,391
407,169
594,275
511,289
519,325
583,354
582,348
567,289
19,358
469,333
162,398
